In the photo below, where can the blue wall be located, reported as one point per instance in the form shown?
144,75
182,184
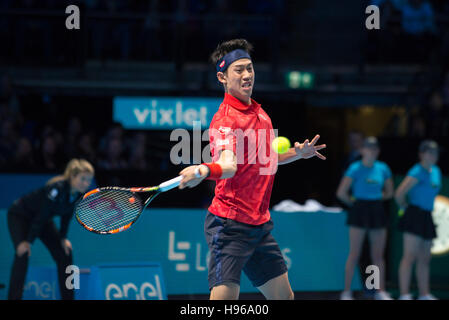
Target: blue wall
13,186
315,246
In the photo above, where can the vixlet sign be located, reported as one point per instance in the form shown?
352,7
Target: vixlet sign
163,113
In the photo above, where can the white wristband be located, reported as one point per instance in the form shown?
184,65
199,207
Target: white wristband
197,172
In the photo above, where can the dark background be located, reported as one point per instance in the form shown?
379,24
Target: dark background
58,84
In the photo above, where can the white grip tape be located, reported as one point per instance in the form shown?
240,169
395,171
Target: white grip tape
170,184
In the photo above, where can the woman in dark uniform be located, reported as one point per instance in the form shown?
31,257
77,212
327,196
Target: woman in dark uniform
420,186
31,217
371,183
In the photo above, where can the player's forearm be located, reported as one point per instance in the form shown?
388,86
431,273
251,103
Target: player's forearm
228,170
228,164
288,157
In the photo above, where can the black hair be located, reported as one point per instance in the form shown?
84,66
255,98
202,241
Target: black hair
225,47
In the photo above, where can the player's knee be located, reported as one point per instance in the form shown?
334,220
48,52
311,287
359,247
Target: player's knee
226,291
283,295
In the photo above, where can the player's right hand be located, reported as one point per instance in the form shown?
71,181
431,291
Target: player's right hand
190,176
23,248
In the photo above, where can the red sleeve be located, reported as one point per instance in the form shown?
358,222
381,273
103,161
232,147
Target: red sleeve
222,136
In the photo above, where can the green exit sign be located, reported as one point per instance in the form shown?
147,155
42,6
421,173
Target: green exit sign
300,80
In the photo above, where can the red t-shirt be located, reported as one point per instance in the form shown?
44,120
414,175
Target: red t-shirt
248,132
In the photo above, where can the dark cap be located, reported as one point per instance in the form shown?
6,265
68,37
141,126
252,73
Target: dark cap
428,145
370,142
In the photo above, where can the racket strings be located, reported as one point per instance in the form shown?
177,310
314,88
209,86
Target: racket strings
108,210
106,222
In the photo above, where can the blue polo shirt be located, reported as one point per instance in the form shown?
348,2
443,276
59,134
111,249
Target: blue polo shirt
368,182
429,184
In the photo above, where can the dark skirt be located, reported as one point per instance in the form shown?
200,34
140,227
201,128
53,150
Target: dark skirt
418,222
367,214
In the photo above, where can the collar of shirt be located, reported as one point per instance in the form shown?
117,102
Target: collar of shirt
239,105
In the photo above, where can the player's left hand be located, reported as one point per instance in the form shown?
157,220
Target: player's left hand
66,245
308,149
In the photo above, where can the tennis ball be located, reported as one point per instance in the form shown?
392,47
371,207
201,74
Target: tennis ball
132,200
280,145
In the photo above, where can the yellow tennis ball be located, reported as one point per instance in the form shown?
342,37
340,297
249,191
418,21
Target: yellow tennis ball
280,145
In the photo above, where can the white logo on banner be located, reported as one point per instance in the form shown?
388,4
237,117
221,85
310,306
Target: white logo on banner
42,290
130,290
170,116
201,256
174,255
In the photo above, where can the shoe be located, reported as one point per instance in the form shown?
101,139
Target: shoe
427,297
382,295
407,296
346,295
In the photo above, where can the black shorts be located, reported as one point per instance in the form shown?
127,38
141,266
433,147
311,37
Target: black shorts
367,214
236,246
418,222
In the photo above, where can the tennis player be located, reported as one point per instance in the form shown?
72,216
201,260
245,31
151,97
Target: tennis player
31,217
238,224
420,186
371,183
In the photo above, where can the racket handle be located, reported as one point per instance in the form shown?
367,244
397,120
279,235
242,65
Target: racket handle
170,184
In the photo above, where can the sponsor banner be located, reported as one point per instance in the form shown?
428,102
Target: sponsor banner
138,281
131,282
164,113
41,284
315,246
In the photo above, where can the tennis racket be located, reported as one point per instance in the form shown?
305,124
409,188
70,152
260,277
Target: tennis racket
111,210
